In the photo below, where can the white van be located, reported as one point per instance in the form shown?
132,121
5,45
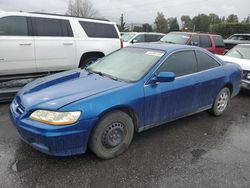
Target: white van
34,43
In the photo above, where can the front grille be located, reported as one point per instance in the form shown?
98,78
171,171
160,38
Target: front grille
245,73
19,108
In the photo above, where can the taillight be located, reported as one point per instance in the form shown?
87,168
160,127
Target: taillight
121,43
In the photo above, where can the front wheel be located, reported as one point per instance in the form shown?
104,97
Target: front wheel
221,102
112,135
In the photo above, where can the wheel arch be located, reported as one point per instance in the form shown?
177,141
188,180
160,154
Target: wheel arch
85,55
126,109
230,86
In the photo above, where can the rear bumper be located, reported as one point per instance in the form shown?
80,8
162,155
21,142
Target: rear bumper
54,140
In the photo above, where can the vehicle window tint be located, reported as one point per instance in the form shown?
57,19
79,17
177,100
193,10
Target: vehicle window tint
205,41
51,27
195,40
218,42
139,38
158,37
14,25
205,61
180,63
99,30
151,38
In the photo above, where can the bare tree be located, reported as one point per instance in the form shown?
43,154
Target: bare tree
81,8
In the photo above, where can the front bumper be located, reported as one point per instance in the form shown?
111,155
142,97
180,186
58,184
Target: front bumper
53,140
245,84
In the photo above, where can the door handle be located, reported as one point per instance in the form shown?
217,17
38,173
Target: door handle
25,44
67,43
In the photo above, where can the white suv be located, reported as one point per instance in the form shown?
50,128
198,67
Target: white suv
43,43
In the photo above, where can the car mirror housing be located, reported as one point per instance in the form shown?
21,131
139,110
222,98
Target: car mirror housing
163,77
134,41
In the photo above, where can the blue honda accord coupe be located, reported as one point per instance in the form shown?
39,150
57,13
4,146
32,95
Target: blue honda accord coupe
130,90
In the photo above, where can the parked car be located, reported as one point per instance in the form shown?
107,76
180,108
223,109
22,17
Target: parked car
211,42
130,38
235,39
240,55
35,44
133,89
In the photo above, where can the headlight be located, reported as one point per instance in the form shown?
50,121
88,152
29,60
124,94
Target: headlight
248,76
55,118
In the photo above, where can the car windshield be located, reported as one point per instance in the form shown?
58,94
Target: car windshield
175,38
127,64
242,52
239,37
127,36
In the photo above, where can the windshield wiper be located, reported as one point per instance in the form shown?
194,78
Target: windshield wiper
103,74
96,72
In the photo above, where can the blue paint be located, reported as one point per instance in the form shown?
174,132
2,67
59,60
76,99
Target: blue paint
94,95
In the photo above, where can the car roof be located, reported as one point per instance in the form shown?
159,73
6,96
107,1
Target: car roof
56,16
134,33
162,46
241,34
248,45
195,33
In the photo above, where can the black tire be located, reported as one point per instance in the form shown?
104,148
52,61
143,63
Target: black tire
112,135
88,61
221,102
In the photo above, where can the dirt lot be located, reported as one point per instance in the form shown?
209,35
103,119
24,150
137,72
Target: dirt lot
197,151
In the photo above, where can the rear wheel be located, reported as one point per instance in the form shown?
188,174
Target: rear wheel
88,61
112,135
221,102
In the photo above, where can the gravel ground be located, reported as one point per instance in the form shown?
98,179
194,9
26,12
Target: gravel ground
197,151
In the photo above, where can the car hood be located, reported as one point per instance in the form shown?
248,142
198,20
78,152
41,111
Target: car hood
53,92
244,63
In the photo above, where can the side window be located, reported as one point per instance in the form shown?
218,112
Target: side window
14,26
150,38
139,38
205,41
99,30
180,63
205,62
51,27
195,40
158,37
218,42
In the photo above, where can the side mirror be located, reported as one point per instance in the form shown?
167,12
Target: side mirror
134,41
163,77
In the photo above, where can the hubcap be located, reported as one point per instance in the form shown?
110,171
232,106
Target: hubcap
113,135
222,102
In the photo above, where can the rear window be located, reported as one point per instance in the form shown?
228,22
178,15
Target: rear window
14,26
175,38
152,37
52,27
205,62
205,41
99,30
218,41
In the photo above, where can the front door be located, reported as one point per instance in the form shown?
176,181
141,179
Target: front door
170,100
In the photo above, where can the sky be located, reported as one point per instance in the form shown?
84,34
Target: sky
136,11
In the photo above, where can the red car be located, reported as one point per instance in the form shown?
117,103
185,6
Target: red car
213,43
